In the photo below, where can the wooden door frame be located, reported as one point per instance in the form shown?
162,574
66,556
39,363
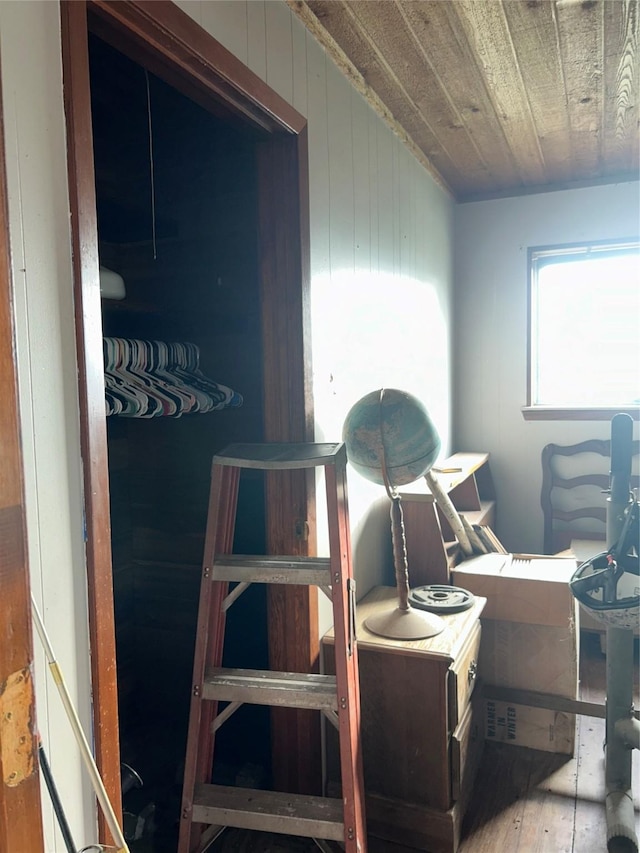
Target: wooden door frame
167,41
20,806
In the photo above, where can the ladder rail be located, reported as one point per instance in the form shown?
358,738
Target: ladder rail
200,734
336,697
346,652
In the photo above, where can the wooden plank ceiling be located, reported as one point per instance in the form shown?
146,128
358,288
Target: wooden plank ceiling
496,97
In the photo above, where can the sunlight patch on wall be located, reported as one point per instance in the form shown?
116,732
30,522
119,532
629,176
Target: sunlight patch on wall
369,331
375,330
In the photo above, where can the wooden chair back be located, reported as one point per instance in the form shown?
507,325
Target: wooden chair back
575,478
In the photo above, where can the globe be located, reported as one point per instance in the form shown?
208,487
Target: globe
390,429
391,440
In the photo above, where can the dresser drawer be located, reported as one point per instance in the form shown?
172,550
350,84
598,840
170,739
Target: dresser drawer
467,743
462,677
407,688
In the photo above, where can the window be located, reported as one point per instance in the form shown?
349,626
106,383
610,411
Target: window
584,329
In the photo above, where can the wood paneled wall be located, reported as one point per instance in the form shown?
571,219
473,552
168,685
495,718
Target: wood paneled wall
381,249
373,209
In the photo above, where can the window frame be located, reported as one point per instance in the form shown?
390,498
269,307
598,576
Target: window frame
536,412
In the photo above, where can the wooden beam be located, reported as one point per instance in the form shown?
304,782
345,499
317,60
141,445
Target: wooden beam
548,701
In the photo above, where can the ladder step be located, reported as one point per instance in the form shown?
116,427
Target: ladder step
225,576
303,571
279,457
267,687
269,811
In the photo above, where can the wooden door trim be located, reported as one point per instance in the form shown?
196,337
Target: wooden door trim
291,529
194,61
20,806
93,430
178,47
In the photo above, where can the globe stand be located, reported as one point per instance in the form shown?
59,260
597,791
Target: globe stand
403,622
390,437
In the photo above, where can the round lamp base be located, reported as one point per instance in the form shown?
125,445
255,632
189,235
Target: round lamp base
408,624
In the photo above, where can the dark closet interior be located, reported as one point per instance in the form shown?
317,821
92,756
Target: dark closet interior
176,190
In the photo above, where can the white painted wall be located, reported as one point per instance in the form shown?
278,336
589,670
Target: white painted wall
45,342
490,336
381,267
381,251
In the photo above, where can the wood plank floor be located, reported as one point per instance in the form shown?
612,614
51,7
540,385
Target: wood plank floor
531,802
526,801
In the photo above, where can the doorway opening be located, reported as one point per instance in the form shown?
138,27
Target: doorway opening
177,212
215,251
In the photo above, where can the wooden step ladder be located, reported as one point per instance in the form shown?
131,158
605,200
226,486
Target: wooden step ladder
206,807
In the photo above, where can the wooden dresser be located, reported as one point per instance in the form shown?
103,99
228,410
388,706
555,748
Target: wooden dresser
421,732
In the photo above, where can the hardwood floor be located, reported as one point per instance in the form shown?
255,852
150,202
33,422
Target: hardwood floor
526,801
533,802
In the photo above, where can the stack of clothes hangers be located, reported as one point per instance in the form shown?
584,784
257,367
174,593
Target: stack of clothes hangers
147,379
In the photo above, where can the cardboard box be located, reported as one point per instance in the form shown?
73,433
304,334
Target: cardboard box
535,728
521,587
543,658
529,642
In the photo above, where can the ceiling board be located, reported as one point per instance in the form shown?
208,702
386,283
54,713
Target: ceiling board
496,97
486,30
581,51
437,25
448,142
533,28
620,132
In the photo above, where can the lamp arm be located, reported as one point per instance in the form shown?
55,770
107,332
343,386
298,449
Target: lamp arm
446,505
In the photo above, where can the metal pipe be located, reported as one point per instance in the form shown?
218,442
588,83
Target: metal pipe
629,732
621,834
55,800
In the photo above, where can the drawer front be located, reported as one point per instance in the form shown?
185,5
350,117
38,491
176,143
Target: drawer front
467,743
404,727
463,676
